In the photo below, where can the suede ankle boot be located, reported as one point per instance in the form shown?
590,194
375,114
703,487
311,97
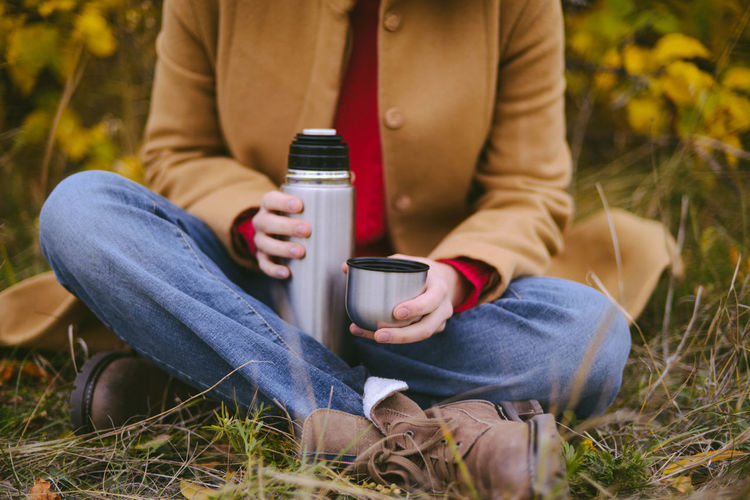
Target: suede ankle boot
115,388
468,448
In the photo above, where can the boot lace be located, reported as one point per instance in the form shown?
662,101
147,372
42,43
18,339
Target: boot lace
412,465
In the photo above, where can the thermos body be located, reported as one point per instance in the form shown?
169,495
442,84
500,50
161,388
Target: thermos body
314,296
317,287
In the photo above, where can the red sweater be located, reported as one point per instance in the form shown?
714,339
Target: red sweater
358,122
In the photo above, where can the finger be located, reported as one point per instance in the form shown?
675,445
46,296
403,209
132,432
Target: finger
281,225
411,257
271,268
428,301
421,330
359,332
278,248
276,200
345,268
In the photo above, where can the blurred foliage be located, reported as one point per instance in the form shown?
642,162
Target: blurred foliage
74,87
659,113
663,82
643,60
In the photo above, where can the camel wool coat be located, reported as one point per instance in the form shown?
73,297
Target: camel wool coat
470,96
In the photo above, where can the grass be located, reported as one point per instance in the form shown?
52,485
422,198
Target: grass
679,428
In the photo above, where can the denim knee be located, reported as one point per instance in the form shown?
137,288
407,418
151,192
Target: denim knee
604,344
75,212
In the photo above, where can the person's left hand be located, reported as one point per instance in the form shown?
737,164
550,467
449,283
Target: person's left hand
445,289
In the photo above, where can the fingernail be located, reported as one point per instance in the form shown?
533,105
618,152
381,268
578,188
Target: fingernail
356,330
281,273
384,337
402,313
295,251
301,230
293,205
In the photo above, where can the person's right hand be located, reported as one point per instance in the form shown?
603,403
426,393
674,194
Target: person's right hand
271,222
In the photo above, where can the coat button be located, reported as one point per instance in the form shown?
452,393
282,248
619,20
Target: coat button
402,202
392,20
394,118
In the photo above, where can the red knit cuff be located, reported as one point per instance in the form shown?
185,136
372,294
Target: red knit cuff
476,273
246,230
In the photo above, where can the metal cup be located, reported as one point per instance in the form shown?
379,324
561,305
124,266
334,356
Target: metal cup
376,285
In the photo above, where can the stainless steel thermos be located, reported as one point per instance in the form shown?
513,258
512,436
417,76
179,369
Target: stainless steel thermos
315,294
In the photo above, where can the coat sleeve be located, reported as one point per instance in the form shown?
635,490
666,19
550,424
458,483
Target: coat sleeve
184,153
522,206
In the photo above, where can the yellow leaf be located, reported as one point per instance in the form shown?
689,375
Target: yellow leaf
645,115
717,129
30,48
734,141
35,127
604,80
678,46
738,109
683,484
611,59
637,60
48,7
682,82
97,35
193,491
737,78
703,458
581,42
72,138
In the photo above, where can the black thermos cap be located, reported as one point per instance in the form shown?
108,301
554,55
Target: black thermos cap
318,149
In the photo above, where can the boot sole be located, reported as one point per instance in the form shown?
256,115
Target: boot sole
545,459
83,390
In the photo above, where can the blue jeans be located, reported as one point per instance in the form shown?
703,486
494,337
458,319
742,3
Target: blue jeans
160,279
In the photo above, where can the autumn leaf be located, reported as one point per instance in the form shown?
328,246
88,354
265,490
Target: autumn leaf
35,127
30,49
34,370
733,141
48,7
683,484
96,33
71,136
738,109
703,458
737,78
581,42
606,80
645,115
678,46
41,491
636,60
10,367
193,491
683,81
7,369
